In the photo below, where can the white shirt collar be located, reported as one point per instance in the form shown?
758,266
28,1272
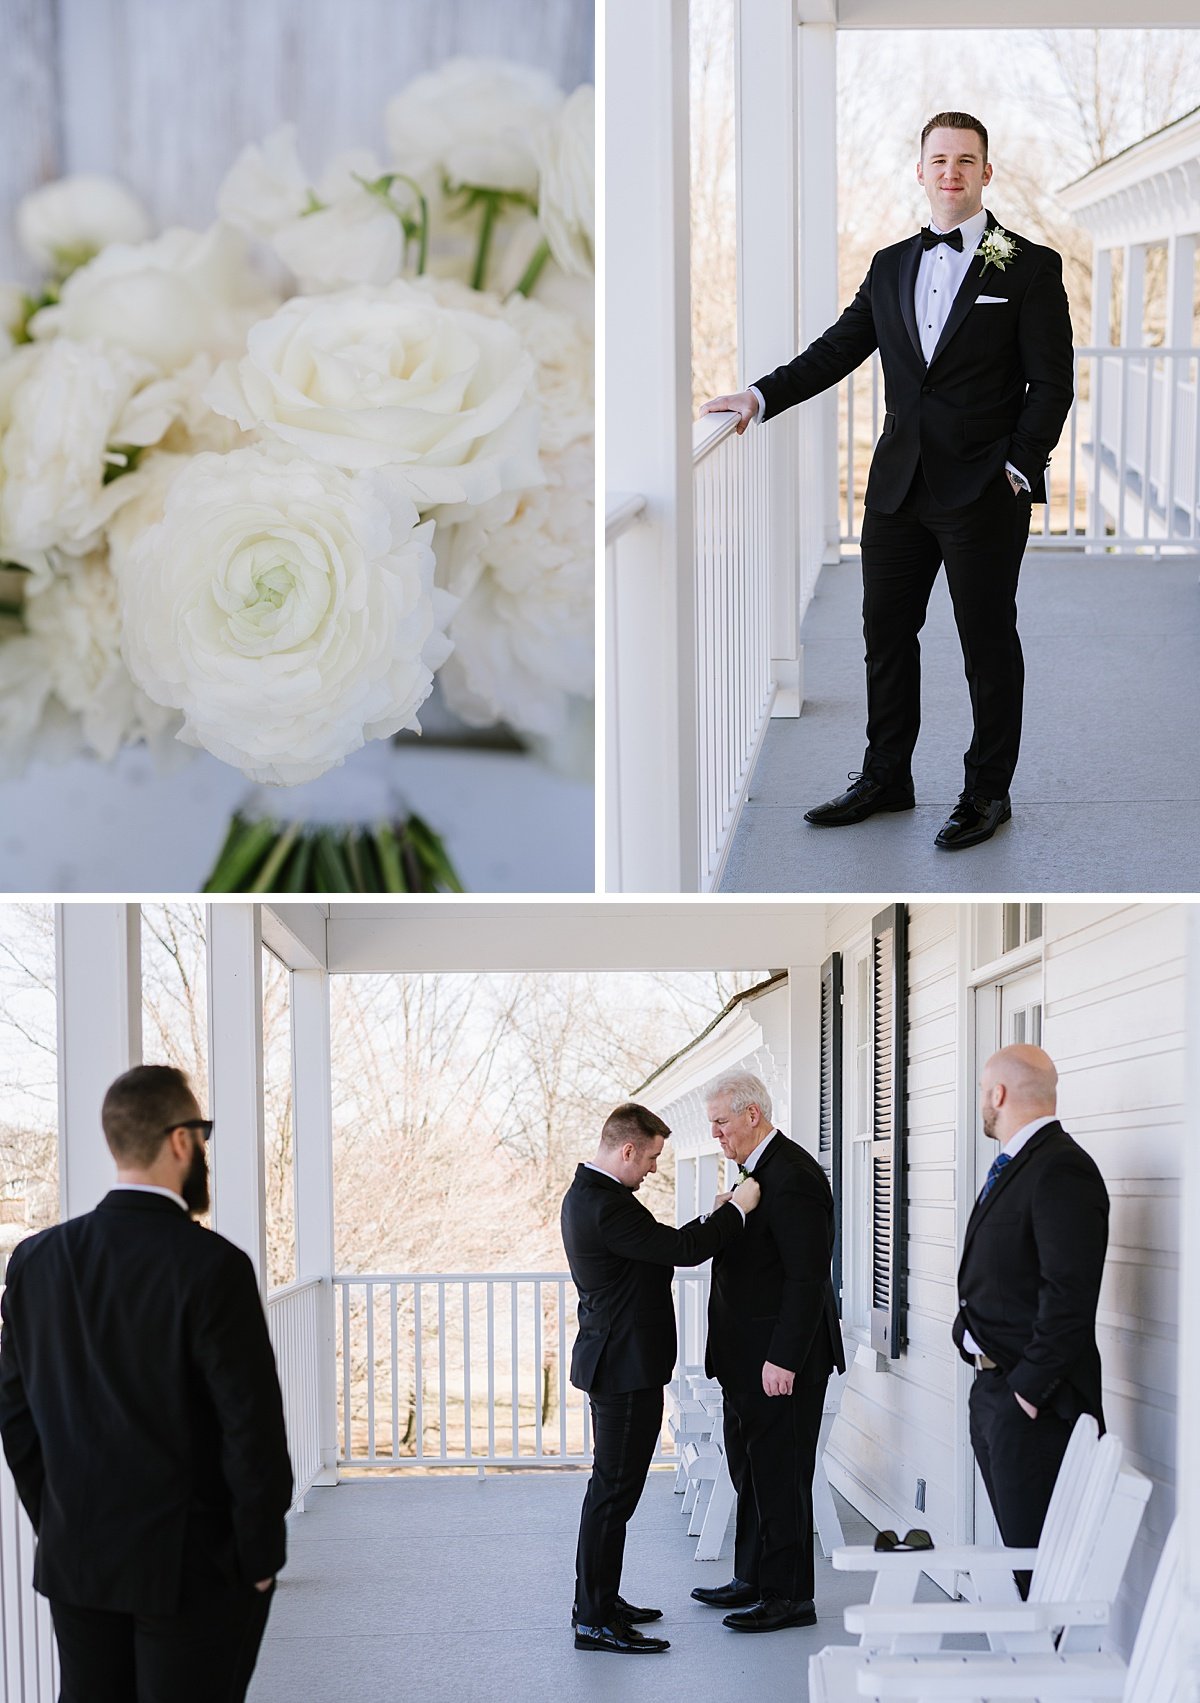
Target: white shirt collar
1026,1133
589,1165
153,1188
972,229
752,1159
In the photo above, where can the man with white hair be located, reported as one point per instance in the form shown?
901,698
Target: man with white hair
773,1339
1028,1285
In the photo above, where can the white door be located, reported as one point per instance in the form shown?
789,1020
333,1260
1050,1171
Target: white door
1005,1012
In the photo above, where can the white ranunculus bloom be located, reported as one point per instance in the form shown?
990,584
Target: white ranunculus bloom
523,634
24,691
63,224
185,293
76,618
565,147
443,397
471,122
357,240
77,409
266,186
286,608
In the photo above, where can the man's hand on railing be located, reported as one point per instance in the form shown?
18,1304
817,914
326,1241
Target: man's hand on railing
744,405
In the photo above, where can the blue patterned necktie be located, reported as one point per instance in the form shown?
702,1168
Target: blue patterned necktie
993,1176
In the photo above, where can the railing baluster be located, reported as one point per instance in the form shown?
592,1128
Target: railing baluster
466,1289
539,1373
392,1306
371,1370
562,1369
443,1439
491,1342
516,1434
346,1358
419,1368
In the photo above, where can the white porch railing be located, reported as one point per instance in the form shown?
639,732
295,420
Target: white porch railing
293,1321
29,1659
734,688
470,1368
1126,473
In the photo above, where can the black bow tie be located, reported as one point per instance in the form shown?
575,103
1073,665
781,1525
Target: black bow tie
930,239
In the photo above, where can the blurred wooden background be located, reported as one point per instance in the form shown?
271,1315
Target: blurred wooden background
164,93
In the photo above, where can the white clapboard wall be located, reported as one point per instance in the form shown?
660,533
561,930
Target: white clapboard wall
163,93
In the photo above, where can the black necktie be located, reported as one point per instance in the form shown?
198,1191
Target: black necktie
930,239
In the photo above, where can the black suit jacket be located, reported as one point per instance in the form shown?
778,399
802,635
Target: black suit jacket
621,1259
139,1408
772,1294
998,388
1029,1280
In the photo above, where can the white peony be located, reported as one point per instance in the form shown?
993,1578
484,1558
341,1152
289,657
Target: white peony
471,123
441,396
565,147
76,619
24,693
286,608
523,634
65,223
71,421
183,294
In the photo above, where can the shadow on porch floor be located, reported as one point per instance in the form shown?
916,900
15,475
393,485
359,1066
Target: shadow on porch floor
458,1590
1107,794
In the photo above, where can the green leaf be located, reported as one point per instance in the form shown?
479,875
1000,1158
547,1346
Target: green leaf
389,860
244,850
330,866
265,880
353,861
295,877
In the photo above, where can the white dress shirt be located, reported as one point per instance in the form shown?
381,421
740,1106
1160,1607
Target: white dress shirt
1012,1147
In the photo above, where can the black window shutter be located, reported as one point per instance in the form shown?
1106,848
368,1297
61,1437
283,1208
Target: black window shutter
829,1146
889,986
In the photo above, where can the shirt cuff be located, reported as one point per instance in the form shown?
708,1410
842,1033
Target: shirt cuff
762,406
970,1344
1016,473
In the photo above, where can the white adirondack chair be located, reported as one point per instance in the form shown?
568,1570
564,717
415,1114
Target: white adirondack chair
1153,1674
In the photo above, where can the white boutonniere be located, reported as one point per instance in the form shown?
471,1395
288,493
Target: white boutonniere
997,249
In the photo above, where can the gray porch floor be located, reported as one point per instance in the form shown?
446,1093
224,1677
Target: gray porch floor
1107,794
459,1588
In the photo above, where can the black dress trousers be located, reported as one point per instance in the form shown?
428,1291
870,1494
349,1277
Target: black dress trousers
982,545
625,1431
771,1447
1018,1458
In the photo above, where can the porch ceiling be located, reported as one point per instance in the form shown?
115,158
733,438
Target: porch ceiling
1018,14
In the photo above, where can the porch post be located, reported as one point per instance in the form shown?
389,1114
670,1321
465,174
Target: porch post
99,976
235,1074
1177,334
804,1057
766,96
646,244
1133,296
1101,339
708,1178
685,1189
312,1103
1188,1419
820,523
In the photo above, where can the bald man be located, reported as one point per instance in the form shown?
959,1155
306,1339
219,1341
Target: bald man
1028,1285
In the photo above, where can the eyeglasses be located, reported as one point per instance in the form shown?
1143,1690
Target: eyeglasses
204,1125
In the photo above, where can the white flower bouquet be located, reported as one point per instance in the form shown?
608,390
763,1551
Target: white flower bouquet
261,483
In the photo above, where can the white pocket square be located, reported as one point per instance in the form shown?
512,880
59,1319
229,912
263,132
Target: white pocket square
982,301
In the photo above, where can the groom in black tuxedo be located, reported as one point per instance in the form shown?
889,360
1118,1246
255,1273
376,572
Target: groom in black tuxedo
142,1420
973,330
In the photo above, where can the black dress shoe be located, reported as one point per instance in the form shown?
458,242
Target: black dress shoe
862,798
736,1594
973,820
625,1612
618,1640
772,1614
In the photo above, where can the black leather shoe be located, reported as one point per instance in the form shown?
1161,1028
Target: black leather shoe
862,798
736,1594
625,1612
618,1640
973,820
772,1614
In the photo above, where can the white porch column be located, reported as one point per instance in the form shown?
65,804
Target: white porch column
820,524
685,1189
99,975
313,1120
1188,1421
649,437
804,1057
235,1074
1133,296
1177,334
765,111
1101,338
708,1178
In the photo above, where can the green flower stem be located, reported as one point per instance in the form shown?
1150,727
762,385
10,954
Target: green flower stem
329,866
243,852
491,208
296,876
533,271
423,225
353,861
266,881
389,860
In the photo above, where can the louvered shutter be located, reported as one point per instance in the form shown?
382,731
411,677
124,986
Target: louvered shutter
829,1145
889,982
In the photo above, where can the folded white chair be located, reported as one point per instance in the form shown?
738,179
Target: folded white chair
1153,1674
825,1514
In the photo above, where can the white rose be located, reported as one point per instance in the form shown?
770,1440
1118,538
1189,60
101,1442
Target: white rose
443,397
286,608
185,293
78,411
523,634
76,618
24,693
64,224
471,123
565,147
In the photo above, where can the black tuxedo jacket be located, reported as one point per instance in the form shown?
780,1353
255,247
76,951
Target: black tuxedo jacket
998,388
1029,1280
772,1294
139,1408
621,1259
